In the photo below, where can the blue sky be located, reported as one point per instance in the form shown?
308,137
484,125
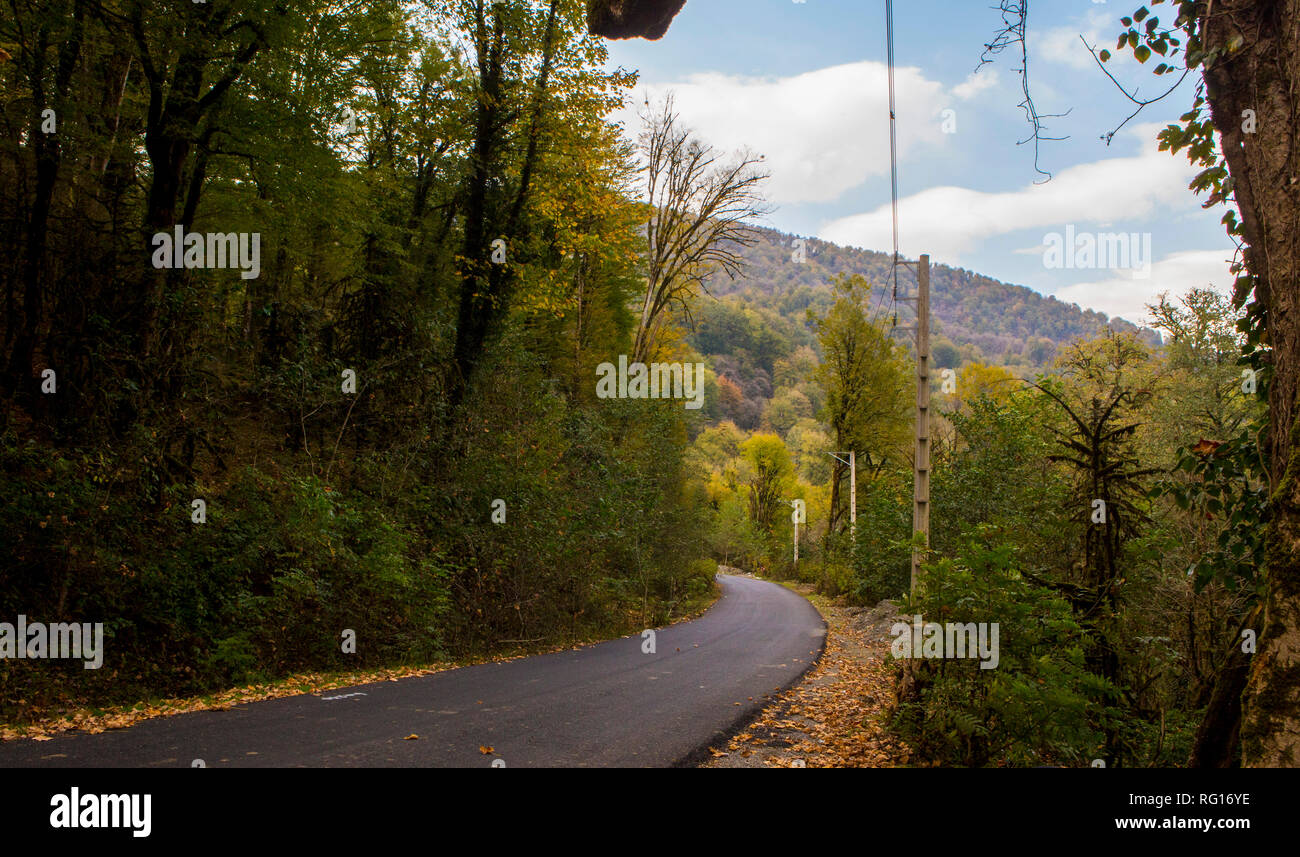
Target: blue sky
804,83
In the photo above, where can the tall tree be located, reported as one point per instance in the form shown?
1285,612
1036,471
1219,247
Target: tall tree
865,383
1097,446
48,64
493,209
697,209
531,73
1248,57
190,57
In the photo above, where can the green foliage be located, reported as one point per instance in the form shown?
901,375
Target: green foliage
770,470
882,555
1224,482
348,138
999,479
1039,706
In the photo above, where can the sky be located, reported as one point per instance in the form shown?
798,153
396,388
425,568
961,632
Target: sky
805,85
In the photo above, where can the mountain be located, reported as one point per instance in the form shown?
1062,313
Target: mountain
757,338
974,317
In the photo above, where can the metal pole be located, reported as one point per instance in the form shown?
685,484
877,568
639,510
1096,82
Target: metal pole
853,496
795,516
921,463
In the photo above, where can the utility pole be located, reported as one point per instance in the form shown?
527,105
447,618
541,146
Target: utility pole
853,489
921,463
921,454
798,516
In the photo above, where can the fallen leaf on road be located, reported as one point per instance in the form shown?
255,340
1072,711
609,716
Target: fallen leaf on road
411,737
95,720
486,751
836,715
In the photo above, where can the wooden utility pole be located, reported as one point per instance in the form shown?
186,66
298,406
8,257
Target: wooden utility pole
921,454
921,458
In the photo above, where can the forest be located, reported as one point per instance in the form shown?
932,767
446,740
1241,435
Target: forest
305,306
382,430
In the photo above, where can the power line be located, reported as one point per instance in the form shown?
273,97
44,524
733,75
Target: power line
893,147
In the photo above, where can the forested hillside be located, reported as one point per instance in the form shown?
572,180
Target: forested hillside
983,319
766,313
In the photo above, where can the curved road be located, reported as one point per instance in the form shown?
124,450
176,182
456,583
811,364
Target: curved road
609,704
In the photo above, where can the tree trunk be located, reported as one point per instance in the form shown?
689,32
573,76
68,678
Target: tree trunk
49,158
1217,736
485,286
1263,75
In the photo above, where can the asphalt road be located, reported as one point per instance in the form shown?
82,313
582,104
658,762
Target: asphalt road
609,704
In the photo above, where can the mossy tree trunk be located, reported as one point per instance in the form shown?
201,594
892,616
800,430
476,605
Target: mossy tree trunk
1258,70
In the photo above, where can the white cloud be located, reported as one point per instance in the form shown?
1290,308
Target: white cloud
976,82
1061,44
948,222
1175,273
823,132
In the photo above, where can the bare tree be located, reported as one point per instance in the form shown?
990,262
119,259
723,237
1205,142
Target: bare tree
697,208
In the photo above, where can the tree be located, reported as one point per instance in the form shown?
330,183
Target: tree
1097,448
1244,53
1217,478
976,379
785,409
494,207
1203,346
769,478
48,68
207,42
697,207
865,382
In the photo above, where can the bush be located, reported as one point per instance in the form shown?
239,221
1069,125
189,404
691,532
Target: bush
1039,706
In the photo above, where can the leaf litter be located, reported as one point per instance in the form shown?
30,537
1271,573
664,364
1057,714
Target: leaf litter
836,716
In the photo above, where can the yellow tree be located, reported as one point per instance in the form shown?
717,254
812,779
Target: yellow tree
771,473
867,384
